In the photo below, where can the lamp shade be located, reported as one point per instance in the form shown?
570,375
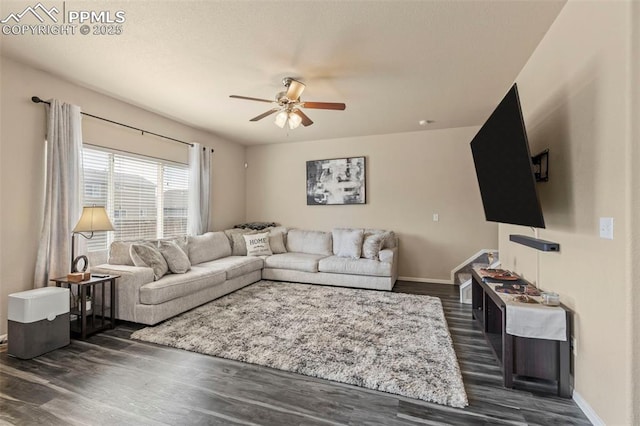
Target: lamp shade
94,218
294,120
281,118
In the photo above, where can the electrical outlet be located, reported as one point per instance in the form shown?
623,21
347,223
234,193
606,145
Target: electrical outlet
436,217
606,228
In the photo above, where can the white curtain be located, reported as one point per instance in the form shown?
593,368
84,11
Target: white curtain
62,203
199,189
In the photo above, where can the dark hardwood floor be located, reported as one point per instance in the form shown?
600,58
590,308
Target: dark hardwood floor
112,380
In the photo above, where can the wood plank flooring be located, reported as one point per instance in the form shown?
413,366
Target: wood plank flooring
112,380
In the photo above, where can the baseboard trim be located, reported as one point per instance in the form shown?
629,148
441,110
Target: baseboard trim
426,280
587,410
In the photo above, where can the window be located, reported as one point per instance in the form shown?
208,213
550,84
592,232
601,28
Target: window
146,198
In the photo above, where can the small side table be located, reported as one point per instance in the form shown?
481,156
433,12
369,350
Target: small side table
90,321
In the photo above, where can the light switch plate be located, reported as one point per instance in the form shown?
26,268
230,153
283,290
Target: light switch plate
606,228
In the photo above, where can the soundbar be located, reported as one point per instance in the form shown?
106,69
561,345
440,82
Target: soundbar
535,243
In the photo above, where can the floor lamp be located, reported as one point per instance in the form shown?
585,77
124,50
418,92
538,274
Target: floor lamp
93,219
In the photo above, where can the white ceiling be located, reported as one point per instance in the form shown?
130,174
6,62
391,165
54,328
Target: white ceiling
392,62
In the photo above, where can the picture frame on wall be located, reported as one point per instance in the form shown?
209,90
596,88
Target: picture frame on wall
336,181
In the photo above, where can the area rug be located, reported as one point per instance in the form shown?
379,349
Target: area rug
391,342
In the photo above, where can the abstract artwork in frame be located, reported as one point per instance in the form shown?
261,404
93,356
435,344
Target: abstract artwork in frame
336,181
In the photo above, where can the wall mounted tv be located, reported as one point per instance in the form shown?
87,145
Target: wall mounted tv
504,167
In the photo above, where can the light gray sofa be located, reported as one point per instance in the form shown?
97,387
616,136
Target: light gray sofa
218,267
214,272
312,257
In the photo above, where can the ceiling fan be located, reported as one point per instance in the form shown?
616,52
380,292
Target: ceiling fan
289,104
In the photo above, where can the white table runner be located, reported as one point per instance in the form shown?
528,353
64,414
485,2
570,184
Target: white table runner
537,321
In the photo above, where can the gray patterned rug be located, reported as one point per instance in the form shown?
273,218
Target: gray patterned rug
391,342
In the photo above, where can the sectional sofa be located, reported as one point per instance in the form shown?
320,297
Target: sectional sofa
214,264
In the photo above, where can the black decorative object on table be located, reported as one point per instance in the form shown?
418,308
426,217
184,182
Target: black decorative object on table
85,264
91,318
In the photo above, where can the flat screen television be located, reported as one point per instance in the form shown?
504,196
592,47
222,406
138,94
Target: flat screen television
504,168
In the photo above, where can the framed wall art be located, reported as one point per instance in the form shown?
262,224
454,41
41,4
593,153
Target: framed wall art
336,181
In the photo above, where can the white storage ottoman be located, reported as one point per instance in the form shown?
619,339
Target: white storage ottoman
38,321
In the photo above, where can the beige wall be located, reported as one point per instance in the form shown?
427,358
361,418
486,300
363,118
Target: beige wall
410,176
634,158
575,93
22,158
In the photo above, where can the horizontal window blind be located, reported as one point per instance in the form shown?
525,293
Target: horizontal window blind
96,190
146,198
175,199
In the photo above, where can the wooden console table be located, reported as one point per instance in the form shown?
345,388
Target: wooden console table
522,356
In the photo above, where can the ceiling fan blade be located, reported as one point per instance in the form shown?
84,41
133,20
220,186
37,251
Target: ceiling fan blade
306,121
324,105
295,90
265,114
250,99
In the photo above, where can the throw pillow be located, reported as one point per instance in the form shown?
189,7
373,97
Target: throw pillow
372,245
239,245
177,260
390,240
182,242
149,256
258,244
348,242
276,241
390,237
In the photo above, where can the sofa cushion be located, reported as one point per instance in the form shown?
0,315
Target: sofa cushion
119,253
347,242
176,258
173,286
145,254
341,265
209,246
310,242
304,262
258,244
235,266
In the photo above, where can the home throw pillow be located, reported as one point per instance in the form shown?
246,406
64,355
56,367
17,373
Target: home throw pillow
258,244
149,256
176,258
348,242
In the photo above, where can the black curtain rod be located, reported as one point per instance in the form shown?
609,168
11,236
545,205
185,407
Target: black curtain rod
37,100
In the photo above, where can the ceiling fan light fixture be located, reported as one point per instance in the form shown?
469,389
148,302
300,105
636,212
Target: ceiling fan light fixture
294,120
281,119
288,108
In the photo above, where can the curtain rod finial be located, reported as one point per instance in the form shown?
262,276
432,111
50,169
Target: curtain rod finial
36,100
